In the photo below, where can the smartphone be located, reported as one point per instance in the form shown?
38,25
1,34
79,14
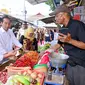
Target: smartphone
60,35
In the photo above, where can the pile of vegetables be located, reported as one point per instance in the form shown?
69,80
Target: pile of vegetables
28,59
44,47
26,77
34,56
23,61
3,77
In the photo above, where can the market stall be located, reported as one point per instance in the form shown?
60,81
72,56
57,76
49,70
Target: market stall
16,71
32,69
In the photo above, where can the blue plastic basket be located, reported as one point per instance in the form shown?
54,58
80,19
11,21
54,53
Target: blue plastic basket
50,83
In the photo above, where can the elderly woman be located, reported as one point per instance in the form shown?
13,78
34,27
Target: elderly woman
28,40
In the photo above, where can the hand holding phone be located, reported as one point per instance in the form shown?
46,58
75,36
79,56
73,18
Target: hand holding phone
64,38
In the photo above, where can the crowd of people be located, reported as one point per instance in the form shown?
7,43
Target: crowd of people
37,35
23,36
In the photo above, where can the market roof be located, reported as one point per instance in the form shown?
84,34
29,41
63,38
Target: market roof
14,19
34,2
50,25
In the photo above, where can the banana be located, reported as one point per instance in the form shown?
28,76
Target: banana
22,79
27,78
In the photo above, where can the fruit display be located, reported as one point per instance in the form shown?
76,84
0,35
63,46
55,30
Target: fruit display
26,77
28,59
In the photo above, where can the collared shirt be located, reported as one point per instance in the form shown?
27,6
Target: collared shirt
7,40
77,31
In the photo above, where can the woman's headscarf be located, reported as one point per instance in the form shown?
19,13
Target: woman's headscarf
27,32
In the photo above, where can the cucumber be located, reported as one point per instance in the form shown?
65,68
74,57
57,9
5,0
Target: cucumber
22,80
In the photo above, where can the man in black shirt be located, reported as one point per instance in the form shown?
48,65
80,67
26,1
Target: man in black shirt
73,40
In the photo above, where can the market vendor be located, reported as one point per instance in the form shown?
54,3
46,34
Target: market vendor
28,39
74,44
7,40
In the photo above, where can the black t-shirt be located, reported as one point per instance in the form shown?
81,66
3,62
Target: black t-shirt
77,31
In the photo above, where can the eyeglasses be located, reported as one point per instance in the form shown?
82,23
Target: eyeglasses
59,15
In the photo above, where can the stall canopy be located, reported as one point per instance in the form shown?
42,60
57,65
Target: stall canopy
34,2
48,19
35,17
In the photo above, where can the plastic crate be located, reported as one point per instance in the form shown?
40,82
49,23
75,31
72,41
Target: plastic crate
15,70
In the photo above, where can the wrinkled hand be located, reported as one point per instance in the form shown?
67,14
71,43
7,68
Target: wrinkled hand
64,38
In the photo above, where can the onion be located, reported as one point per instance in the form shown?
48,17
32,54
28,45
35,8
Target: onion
38,79
34,75
40,75
29,71
24,73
